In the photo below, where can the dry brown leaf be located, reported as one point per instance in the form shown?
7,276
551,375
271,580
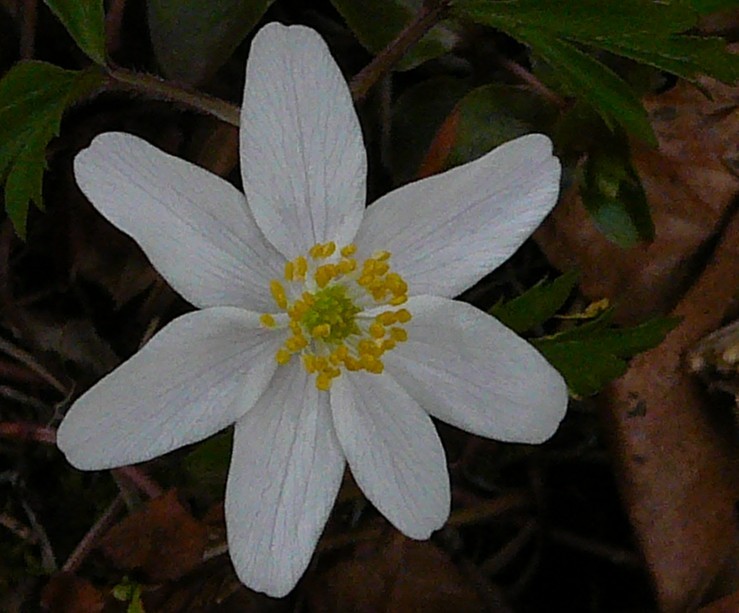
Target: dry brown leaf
400,576
690,184
68,593
162,540
678,471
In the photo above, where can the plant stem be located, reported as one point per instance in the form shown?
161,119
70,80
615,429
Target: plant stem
429,15
155,87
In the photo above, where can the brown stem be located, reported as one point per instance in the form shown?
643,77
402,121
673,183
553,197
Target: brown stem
429,15
156,87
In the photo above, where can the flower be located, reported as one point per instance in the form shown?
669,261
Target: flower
326,331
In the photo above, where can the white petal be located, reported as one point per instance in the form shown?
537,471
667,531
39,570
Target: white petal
302,157
285,473
467,369
198,375
448,231
393,451
194,227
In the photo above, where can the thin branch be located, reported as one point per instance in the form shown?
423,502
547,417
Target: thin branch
27,359
90,539
429,15
158,88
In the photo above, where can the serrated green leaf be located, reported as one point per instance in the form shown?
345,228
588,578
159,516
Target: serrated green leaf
85,22
613,195
375,24
647,32
593,354
192,38
537,305
583,19
598,85
683,56
33,98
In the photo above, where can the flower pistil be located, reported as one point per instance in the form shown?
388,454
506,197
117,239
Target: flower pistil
325,297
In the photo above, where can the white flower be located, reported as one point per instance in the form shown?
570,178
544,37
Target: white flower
327,333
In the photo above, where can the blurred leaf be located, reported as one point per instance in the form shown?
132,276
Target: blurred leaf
705,7
33,98
376,24
613,195
536,305
192,39
85,22
486,117
162,539
647,32
591,355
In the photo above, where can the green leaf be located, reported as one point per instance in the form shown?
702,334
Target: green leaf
583,19
613,195
491,115
598,85
85,22
683,56
593,354
645,31
192,39
536,305
376,24
207,465
33,98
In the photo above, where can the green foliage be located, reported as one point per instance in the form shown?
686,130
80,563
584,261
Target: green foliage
648,32
85,22
613,194
592,354
192,38
536,305
130,592
33,98
207,464
375,24
489,116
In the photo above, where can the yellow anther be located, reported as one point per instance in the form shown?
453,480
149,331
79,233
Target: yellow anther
371,363
316,251
377,330
381,268
398,300
403,315
321,331
328,249
398,334
301,267
267,320
295,343
352,364
278,293
365,280
321,362
283,356
324,274
387,318
348,250
381,256
289,271
297,310
309,362
388,344
347,266
323,382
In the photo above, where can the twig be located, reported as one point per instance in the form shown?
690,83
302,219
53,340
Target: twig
429,15
534,84
27,359
26,431
141,480
89,541
29,12
158,88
